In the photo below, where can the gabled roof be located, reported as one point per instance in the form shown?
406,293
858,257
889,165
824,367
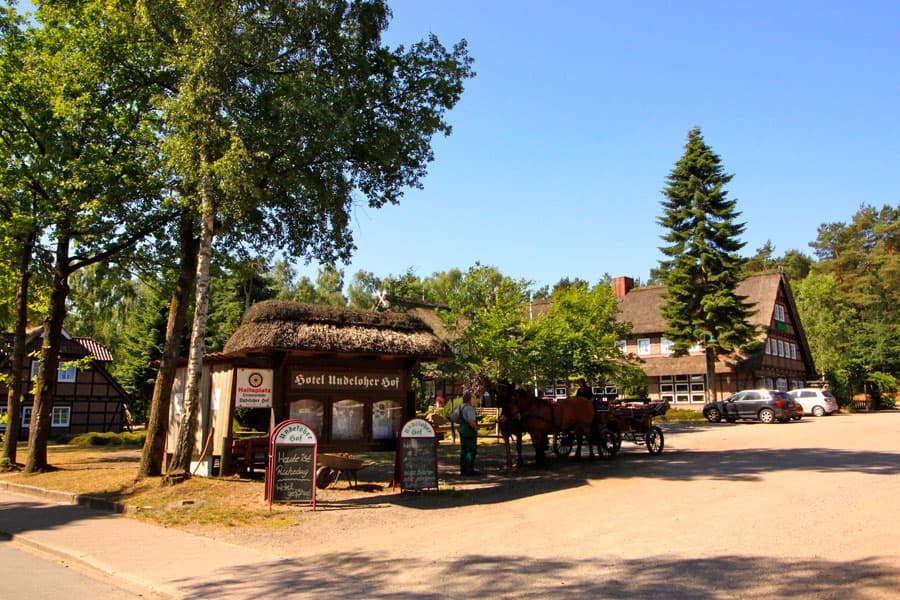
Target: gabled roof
71,347
642,307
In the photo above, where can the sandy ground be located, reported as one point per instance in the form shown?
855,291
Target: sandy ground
746,510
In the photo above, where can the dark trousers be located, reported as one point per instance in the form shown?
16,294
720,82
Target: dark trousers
468,447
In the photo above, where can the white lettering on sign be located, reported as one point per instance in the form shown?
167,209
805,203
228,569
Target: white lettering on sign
336,380
295,433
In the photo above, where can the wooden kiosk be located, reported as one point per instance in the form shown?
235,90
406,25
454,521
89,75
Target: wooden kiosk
346,373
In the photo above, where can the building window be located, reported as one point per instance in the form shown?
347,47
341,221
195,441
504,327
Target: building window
780,348
347,418
60,417
311,412
793,351
666,346
66,374
622,345
779,313
387,418
644,346
26,416
2,420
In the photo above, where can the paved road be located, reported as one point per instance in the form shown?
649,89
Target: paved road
28,574
797,510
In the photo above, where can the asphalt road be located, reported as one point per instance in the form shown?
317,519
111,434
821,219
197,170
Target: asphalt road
29,574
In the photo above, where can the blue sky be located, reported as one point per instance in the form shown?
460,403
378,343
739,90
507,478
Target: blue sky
580,109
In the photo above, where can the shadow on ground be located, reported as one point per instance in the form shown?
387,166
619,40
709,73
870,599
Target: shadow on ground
345,575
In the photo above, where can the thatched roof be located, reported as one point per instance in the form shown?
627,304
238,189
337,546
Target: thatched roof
277,325
642,307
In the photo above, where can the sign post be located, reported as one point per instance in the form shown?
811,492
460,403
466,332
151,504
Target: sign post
416,464
291,474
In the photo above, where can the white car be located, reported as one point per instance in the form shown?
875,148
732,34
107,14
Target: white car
815,401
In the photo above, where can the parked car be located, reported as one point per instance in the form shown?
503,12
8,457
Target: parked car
798,413
815,401
767,406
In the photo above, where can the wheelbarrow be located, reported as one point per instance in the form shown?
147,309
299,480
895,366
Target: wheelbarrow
332,466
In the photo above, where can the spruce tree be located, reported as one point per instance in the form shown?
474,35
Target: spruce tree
702,268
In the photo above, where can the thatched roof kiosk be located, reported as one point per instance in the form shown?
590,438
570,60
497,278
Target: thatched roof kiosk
346,373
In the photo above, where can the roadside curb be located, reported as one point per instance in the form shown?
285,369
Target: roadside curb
92,502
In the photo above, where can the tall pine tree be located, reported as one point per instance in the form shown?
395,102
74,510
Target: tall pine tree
702,267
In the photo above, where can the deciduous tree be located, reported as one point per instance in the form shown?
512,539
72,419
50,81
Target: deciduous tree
283,113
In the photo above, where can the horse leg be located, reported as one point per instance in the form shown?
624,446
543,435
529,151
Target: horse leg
519,461
508,452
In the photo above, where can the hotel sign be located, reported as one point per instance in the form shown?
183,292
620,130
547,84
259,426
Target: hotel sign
319,380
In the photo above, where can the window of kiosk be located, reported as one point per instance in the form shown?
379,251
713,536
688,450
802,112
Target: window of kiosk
347,418
387,418
311,412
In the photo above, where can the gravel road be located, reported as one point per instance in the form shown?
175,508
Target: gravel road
803,510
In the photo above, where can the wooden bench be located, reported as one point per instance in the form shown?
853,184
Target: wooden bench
249,453
489,411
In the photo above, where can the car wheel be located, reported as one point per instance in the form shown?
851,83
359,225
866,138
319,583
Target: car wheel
713,416
818,411
767,415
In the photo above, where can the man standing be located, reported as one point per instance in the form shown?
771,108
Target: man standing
468,436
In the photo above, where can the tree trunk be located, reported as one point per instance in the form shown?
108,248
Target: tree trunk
184,449
157,423
48,370
18,358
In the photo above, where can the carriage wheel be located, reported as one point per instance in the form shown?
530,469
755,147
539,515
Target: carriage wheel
562,443
609,442
654,440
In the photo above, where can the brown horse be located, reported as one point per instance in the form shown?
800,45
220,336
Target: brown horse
575,415
526,414
510,421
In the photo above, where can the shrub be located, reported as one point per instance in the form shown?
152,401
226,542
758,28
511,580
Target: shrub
108,439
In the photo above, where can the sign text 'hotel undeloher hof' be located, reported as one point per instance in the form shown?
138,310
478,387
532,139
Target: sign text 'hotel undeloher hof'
254,388
312,379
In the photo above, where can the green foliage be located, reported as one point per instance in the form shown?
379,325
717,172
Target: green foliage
577,335
848,301
681,415
135,439
703,268
484,317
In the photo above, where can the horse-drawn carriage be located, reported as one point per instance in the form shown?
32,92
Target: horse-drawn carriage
571,422
615,421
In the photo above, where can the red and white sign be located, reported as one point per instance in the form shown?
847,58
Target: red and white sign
253,388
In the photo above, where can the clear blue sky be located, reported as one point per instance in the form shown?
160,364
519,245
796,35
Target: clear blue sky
562,143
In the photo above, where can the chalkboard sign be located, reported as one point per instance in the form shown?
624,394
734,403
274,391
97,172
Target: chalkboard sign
291,474
416,467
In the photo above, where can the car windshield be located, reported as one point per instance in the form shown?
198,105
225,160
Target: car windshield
827,394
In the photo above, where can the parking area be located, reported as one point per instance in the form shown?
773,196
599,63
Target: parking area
747,510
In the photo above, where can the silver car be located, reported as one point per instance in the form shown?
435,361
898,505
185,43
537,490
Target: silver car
815,401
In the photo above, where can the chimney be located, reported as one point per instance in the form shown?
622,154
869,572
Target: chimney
622,285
